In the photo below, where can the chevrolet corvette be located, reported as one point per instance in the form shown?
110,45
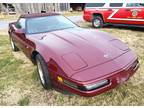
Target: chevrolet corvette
84,61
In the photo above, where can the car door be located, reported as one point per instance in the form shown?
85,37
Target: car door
130,13
115,13
20,39
135,13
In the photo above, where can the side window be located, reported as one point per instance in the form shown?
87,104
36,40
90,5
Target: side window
21,24
94,4
135,4
116,4
142,4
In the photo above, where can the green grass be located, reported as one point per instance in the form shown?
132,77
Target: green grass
24,101
9,17
74,13
19,83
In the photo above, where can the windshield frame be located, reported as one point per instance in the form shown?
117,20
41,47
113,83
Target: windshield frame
26,25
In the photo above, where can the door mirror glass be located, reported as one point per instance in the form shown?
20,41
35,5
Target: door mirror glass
17,25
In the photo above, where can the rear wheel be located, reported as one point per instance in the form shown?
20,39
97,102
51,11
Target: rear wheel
97,22
43,72
13,46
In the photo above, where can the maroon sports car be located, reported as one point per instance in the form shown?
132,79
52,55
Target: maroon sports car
84,61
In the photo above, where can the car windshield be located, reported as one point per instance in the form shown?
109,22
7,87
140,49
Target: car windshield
47,24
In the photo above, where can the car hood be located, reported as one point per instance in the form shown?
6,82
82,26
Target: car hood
119,64
83,48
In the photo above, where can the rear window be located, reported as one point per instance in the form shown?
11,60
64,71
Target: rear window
116,4
134,4
94,4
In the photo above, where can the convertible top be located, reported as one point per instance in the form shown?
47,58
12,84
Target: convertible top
32,15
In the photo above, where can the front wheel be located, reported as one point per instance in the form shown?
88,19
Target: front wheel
97,22
43,72
13,46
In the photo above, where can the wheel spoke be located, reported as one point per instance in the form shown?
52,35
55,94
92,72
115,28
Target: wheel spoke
96,23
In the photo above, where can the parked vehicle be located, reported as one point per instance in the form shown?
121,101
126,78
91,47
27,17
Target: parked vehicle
99,14
83,61
11,10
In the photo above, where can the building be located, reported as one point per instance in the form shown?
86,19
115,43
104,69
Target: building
34,7
40,7
77,6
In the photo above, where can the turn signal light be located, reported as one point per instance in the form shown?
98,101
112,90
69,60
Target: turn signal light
60,79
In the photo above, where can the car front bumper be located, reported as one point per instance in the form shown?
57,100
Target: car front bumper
114,80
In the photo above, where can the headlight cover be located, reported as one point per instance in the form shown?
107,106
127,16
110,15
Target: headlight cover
95,86
87,87
66,82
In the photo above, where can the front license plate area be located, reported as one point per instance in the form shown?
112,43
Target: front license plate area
122,78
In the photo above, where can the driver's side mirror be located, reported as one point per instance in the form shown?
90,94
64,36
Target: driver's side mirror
18,29
17,25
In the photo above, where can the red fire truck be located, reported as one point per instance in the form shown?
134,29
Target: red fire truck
114,13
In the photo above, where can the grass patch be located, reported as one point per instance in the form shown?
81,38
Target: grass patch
8,17
74,13
19,83
24,101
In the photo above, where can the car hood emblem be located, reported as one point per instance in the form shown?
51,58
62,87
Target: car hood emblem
106,55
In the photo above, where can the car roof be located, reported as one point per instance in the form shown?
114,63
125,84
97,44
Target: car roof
32,15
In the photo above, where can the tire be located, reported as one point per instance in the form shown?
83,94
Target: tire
43,72
97,22
13,46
